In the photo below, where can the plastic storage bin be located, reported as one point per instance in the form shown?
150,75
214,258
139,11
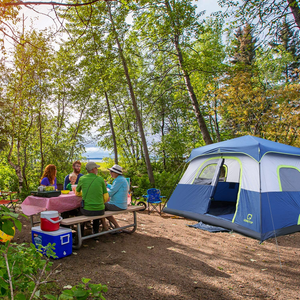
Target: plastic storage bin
61,237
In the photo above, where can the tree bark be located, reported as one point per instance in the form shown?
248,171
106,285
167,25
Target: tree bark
201,122
41,141
293,5
112,128
133,99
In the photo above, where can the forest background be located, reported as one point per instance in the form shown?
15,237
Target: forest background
149,90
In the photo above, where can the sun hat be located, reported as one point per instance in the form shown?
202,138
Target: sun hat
91,165
116,169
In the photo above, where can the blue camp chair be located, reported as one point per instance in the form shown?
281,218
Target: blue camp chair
154,200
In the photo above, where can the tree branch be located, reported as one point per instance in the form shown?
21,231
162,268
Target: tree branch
18,3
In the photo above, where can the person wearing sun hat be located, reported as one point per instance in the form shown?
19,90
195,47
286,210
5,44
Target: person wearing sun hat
118,192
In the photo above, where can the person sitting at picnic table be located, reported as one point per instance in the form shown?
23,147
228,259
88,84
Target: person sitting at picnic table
118,192
93,193
72,178
76,169
49,176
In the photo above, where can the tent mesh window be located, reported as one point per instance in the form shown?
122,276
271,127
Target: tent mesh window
289,179
206,175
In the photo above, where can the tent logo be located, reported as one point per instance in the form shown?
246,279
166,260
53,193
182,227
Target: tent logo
248,220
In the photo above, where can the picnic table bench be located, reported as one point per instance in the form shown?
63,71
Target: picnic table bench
82,219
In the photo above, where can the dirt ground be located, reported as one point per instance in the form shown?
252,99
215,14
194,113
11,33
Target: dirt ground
166,259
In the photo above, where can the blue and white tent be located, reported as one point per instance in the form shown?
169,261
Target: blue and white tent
248,184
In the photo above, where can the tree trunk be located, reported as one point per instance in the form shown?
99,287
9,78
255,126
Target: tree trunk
41,142
162,135
112,129
201,122
136,110
16,167
293,5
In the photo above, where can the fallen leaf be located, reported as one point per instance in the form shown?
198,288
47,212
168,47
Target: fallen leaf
67,287
150,287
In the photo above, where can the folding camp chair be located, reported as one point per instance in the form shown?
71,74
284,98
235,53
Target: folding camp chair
10,203
154,200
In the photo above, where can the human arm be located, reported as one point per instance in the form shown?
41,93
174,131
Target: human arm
79,186
105,193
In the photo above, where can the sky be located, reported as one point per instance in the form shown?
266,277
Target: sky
43,21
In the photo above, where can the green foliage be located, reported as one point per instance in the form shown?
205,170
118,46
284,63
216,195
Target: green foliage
52,100
8,177
164,181
82,291
25,265
8,220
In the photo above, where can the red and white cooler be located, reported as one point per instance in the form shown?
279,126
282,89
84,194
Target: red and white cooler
50,220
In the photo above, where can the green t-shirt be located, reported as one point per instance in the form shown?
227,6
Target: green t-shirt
69,186
93,187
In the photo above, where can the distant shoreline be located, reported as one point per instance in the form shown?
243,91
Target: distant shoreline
95,159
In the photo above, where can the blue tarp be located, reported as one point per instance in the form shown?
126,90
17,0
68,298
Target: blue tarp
209,228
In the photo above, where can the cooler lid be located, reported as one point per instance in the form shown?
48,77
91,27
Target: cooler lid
61,230
49,214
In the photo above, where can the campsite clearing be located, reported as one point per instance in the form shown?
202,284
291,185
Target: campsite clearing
165,259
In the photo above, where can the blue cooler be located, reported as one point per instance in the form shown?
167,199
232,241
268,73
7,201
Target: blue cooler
61,237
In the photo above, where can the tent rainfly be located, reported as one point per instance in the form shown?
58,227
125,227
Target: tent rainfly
248,184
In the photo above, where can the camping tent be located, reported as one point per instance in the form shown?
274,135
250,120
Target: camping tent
248,184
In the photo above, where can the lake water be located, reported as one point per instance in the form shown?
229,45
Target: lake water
96,159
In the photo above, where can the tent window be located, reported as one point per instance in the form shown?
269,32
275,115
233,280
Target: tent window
206,175
289,179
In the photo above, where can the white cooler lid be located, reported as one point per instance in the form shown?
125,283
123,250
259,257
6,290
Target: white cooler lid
61,230
49,214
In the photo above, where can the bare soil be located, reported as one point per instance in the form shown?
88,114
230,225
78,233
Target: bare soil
166,259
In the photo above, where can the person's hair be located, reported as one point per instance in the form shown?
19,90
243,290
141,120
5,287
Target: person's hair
72,175
76,162
49,173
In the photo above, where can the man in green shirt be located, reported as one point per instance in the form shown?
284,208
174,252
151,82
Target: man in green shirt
93,188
